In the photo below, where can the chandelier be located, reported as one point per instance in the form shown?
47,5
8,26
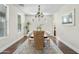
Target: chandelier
39,13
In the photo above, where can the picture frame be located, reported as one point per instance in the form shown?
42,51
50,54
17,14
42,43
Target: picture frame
68,18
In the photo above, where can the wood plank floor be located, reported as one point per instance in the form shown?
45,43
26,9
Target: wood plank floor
28,48
65,49
12,48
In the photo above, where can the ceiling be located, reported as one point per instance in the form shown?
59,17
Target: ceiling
47,9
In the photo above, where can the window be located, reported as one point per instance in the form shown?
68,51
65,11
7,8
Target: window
3,21
19,23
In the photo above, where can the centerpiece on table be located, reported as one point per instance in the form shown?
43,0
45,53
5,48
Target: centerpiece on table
39,28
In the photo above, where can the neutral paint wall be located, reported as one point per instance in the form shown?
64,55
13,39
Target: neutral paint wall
69,34
13,34
46,21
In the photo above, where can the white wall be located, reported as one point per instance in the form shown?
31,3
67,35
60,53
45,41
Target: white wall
13,34
69,34
47,22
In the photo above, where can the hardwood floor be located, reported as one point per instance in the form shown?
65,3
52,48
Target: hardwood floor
12,48
28,47
64,48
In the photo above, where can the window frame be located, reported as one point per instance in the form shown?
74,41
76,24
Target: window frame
17,23
7,19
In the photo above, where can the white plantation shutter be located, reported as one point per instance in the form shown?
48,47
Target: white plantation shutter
3,21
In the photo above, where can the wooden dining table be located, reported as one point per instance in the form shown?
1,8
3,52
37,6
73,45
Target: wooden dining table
39,40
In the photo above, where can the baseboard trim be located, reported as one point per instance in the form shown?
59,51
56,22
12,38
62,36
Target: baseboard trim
69,45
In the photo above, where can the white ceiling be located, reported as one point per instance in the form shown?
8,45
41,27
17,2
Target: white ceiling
48,9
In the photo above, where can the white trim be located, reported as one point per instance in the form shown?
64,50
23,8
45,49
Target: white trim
7,15
8,45
69,45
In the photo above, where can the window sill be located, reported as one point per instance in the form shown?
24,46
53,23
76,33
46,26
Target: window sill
3,37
